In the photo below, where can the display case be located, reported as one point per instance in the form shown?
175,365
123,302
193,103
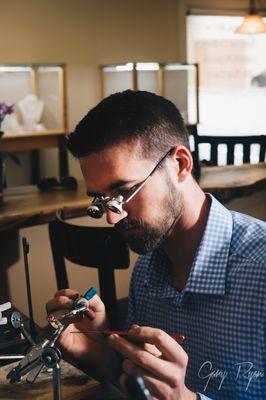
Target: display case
38,92
44,87
178,82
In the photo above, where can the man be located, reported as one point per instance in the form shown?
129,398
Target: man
201,271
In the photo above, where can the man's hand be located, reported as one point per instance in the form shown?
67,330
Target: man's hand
90,352
158,358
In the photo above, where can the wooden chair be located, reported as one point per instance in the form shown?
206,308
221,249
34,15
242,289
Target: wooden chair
97,247
230,142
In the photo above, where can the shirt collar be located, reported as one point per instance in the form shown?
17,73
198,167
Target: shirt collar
208,271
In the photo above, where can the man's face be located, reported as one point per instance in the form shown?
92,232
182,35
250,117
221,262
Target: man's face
147,220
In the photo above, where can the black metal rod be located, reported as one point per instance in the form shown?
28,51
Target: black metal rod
57,382
26,249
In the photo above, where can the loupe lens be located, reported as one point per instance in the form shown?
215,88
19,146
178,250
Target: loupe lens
115,206
94,211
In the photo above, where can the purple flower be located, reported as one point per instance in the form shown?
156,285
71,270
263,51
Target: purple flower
4,110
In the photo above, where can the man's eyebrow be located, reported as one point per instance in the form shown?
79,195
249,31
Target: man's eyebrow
112,186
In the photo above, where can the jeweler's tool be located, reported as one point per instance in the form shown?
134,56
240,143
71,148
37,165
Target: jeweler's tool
179,338
38,357
136,388
80,305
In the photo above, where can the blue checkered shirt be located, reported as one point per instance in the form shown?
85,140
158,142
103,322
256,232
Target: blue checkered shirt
221,309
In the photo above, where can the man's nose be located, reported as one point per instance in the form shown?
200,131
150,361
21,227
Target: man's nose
112,217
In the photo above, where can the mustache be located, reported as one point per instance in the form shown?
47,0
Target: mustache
127,223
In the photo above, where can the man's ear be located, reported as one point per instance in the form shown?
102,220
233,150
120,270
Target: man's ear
185,162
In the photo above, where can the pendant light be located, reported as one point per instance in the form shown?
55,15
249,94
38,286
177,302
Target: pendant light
253,22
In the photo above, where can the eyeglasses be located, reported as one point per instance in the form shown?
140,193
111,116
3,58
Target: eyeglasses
100,204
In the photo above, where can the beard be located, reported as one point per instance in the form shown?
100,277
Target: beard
147,236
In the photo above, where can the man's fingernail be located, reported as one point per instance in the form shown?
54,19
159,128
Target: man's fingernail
134,329
114,336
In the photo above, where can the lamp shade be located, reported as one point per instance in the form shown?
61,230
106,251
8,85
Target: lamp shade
252,24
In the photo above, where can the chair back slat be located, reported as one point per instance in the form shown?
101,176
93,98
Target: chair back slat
85,246
246,152
230,142
262,151
108,296
214,153
57,253
230,153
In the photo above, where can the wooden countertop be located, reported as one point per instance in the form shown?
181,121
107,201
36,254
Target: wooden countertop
231,181
27,206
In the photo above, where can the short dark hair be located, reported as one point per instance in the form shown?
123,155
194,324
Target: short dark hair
130,116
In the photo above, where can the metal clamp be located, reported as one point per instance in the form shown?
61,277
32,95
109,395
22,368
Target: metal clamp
40,356
80,306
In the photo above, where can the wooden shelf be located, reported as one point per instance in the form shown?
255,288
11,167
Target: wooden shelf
30,140
47,132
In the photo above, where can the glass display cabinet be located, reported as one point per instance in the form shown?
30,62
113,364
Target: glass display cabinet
178,82
38,92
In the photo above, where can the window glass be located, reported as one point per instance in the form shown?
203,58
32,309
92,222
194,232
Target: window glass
232,67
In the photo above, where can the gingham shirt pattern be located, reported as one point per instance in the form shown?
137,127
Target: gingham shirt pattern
221,310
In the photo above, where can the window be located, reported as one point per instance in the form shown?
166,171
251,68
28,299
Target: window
232,71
